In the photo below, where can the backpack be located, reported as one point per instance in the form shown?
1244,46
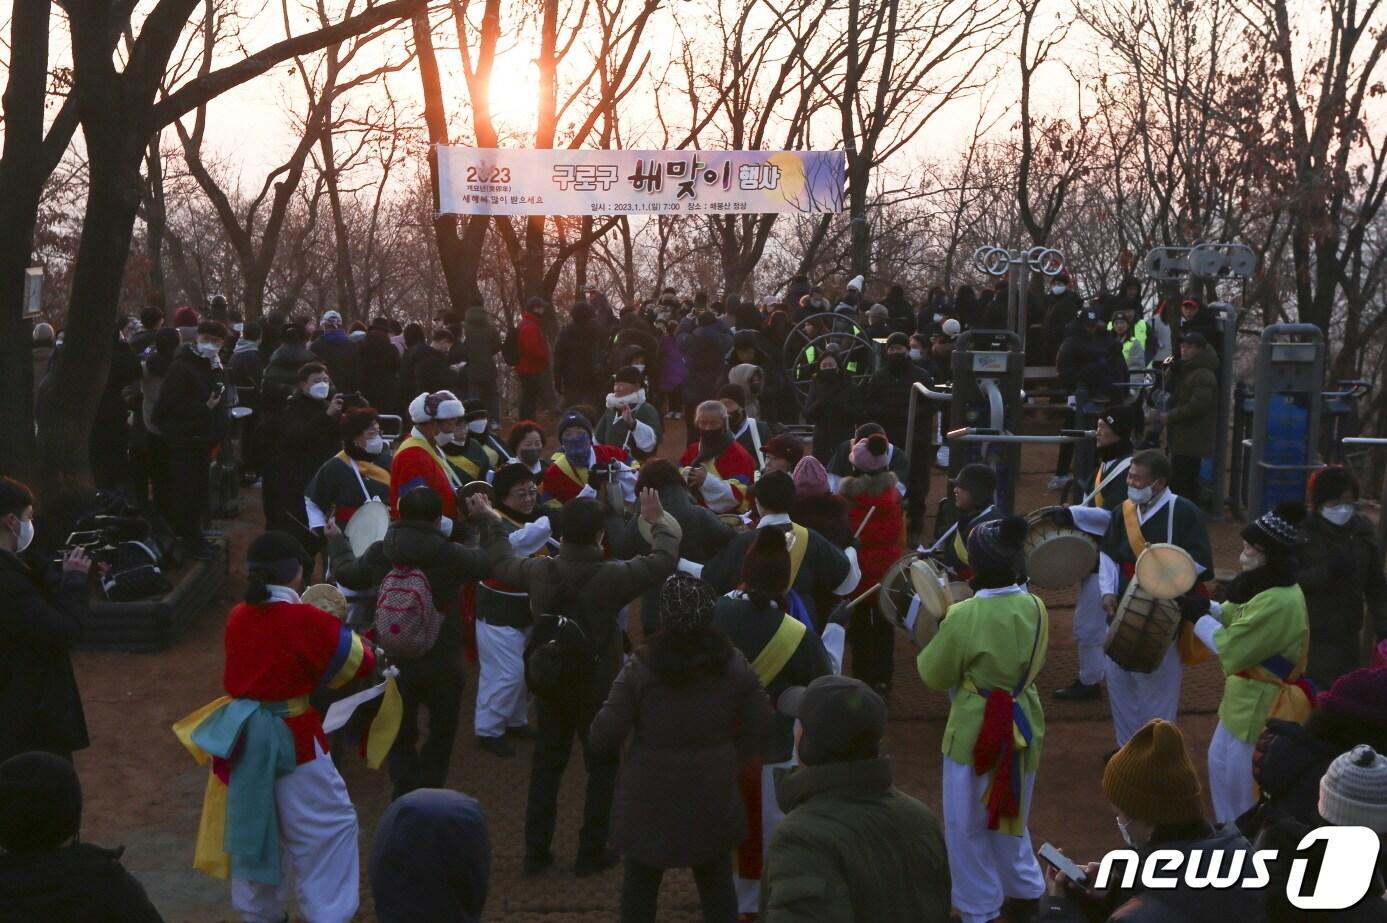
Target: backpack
406,620
559,652
510,346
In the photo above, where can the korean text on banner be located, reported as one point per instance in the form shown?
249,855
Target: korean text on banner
482,181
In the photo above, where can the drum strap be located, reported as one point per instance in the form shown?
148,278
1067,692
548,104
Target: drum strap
373,471
798,549
1096,495
1133,523
778,650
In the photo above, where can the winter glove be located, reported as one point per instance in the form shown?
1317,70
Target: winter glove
839,615
1061,516
1192,607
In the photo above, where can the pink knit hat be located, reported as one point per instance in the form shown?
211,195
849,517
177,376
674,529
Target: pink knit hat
810,477
869,455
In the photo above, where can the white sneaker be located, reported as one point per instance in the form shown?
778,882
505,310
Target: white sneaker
1058,482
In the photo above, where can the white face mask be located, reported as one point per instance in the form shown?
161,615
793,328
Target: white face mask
1126,831
916,355
207,350
1139,495
1251,561
1058,289
1338,514
442,439
26,535
374,446
319,390
939,318
639,367
476,426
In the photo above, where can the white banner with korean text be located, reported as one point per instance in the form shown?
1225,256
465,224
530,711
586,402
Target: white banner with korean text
481,181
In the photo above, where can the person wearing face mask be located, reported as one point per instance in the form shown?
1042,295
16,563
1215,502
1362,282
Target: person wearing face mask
191,415
1151,513
567,477
269,751
355,476
888,395
419,459
468,450
1340,576
1152,784
503,618
751,433
1104,493
40,624
878,523
477,421
833,405
720,469
629,420
339,352
989,651
434,679
1261,636
1062,306
298,441
525,442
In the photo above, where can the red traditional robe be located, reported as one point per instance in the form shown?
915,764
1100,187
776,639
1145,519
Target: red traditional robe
562,482
735,468
419,464
280,652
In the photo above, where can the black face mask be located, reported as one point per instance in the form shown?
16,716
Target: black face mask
713,439
898,362
828,376
736,420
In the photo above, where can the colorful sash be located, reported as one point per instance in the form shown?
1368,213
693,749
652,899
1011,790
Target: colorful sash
414,442
1296,696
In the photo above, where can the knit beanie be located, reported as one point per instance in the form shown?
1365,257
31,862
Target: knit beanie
1277,529
1359,695
994,548
1353,790
1152,779
686,604
811,480
1119,420
573,418
1327,484
786,446
766,567
869,455
185,317
40,802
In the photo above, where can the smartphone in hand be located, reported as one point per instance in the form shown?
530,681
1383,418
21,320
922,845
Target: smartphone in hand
1062,864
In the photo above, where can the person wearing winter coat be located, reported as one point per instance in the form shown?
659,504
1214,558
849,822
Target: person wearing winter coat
816,506
887,400
772,393
1131,339
380,368
41,624
672,371
1340,576
297,442
878,522
852,846
433,680
749,431
191,415
629,420
339,352
46,872
1195,317
447,881
534,355
281,377
1191,422
580,354
109,450
694,710
1152,783
1062,307
482,342
834,405
704,347
1088,360
900,314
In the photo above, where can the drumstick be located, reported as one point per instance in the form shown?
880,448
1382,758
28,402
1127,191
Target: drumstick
865,519
873,589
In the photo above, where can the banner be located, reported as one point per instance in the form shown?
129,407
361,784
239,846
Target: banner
482,181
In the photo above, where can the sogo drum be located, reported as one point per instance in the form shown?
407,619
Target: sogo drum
912,576
1057,556
1142,630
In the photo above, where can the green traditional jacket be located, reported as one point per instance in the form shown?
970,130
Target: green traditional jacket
987,643
1272,623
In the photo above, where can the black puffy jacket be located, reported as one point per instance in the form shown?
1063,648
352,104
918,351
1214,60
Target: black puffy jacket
79,883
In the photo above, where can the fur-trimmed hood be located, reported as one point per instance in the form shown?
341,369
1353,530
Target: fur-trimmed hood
867,484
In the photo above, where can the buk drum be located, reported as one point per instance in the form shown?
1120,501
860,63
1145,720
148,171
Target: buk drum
326,597
1166,571
735,522
1142,630
1057,556
912,577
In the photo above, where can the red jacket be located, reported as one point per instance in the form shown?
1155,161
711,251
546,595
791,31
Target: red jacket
534,348
883,540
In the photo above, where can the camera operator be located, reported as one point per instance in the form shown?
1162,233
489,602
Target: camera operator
297,443
38,626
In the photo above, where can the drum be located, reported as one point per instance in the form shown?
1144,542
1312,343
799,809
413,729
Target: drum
911,576
1166,571
647,531
1057,556
1142,630
367,526
326,597
735,522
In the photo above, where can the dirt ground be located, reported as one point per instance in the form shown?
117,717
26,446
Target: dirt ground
143,791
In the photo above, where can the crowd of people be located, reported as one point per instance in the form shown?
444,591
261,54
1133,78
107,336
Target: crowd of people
721,734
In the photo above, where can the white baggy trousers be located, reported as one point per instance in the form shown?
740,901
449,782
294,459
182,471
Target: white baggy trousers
987,866
1090,629
1136,698
318,842
501,695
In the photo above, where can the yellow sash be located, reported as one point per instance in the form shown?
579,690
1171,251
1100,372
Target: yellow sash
960,548
1291,703
1098,479
561,460
1133,523
369,469
414,442
778,650
799,546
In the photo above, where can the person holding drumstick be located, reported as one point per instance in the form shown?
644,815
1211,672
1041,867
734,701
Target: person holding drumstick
974,490
1150,514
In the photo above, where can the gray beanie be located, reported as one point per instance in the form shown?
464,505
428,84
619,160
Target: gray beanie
1354,790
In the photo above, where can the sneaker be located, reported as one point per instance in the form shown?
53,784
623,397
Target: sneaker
522,732
1058,482
587,866
1080,692
497,746
536,865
